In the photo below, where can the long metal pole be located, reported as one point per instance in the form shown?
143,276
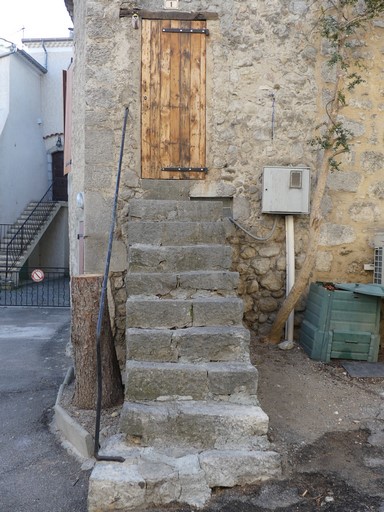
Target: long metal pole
290,255
102,305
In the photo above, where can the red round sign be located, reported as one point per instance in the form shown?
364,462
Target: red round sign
37,275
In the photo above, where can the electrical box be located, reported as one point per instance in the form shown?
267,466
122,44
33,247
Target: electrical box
286,190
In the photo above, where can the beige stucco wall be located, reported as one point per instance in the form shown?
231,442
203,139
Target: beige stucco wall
255,49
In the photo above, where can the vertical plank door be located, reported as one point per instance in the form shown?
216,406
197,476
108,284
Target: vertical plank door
173,99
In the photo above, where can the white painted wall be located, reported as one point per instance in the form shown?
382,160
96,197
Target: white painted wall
4,92
23,161
27,97
56,60
53,249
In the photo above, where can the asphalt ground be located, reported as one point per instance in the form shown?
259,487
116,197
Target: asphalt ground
36,473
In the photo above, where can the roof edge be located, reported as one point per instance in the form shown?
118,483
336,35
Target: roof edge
31,60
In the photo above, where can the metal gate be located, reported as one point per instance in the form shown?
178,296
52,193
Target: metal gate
42,287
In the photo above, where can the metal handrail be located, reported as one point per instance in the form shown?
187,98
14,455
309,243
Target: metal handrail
27,231
102,305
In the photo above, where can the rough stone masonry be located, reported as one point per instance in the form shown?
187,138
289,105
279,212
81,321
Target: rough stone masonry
266,82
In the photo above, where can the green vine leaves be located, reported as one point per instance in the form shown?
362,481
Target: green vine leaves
341,24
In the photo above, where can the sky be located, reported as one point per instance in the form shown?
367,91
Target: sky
40,18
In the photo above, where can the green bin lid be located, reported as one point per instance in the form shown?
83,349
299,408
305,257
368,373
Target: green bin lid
375,290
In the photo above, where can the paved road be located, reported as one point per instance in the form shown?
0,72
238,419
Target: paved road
36,473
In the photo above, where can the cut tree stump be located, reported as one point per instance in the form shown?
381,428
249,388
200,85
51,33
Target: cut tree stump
85,294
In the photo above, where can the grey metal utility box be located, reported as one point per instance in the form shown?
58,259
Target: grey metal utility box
286,190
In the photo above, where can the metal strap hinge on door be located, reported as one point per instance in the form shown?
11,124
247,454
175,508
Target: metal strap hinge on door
185,169
187,30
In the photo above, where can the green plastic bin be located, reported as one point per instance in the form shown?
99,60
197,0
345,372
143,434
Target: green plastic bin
343,323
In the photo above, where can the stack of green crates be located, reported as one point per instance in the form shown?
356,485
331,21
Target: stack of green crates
342,323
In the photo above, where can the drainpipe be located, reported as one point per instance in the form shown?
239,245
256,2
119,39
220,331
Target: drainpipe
290,271
46,54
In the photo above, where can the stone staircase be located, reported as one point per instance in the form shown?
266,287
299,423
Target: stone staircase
191,420
26,232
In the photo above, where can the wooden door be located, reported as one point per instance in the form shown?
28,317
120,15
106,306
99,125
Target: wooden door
173,99
59,187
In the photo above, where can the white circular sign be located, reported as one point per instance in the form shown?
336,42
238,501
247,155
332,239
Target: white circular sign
37,275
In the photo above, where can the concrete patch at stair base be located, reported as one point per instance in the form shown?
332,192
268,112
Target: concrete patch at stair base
156,479
74,433
230,468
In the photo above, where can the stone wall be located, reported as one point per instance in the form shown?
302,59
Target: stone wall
266,84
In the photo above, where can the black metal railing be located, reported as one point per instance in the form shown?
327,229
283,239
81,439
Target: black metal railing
18,288
28,230
5,229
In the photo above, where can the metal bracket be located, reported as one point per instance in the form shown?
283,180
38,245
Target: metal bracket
187,30
185,169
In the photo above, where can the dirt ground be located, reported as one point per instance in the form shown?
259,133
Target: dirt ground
328,427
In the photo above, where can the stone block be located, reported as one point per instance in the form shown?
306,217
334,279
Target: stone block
344,181
211,344
145,283
230,468
215,280
154,380
336,234
163,283
151,345
201,425
175,233
160,210
115,483
146,258
237,378
220,311
150,381
156,313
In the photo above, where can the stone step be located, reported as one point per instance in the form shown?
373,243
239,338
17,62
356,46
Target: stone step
148,258
191,345
153,478
203,381
176,233
176,314
194,426
160,210
164,283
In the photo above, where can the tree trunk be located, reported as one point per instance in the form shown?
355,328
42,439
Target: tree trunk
85,293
